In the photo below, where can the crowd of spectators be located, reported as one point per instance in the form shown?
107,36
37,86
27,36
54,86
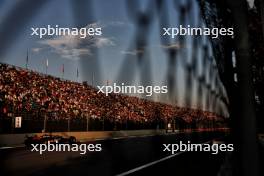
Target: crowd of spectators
22,90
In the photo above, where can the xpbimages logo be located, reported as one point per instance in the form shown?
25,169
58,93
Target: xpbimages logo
128,89
59,31
57,147
190,147
197,31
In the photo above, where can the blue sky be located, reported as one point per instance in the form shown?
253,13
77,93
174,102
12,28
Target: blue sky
112,57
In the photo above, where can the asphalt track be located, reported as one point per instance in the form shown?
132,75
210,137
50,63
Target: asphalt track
127,156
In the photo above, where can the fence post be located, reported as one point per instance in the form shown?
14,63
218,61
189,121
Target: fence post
103,122
44,123
69,124
87,123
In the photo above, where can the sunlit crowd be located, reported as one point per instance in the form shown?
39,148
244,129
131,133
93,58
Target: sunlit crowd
26,91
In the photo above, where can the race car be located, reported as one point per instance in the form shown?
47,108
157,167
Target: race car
44,139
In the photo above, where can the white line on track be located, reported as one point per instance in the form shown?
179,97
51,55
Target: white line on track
147,165
152,163
2,148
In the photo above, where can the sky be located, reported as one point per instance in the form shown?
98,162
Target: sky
111,57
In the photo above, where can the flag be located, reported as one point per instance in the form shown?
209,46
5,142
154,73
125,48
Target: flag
93,79
27,60
47,65
62,69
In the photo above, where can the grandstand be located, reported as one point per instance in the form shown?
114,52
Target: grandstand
53,104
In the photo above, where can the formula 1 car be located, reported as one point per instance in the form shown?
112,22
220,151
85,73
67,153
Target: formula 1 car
44,139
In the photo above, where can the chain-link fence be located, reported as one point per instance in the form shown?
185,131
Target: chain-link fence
194,55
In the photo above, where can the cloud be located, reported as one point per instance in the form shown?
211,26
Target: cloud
133,52
36,50
117,23
73,46
172,46
100,42
140,51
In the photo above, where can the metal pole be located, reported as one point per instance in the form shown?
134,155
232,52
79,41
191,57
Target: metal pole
103,123
173,124
45,123
13,123
127,120
87,123
69,119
